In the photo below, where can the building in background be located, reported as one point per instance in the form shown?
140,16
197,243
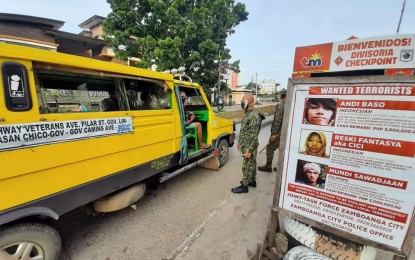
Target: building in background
232,79
268,90
238,94
29,31
44,33
92,27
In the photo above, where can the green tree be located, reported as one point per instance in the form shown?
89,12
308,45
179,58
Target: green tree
253,86
278,93
174,33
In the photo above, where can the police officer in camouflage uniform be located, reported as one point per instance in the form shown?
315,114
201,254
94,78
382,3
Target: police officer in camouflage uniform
274,140
248,144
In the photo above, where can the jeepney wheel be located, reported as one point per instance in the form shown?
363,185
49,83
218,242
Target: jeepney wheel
223,148
29,241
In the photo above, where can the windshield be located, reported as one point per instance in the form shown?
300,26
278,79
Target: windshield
194,97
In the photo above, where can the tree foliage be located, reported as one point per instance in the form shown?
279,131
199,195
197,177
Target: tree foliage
175,33
253,86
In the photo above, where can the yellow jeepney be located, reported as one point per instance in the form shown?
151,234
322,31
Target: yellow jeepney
63,145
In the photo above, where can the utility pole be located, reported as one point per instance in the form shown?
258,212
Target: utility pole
400,18
219,70
256,86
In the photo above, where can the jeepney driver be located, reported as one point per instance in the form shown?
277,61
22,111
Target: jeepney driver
190,117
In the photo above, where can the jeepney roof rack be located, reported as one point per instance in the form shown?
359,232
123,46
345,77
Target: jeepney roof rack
180,75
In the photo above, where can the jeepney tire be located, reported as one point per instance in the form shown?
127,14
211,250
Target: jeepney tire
44,239
326,243
223,148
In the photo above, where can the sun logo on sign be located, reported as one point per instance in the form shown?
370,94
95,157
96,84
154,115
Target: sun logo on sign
399,73
315,60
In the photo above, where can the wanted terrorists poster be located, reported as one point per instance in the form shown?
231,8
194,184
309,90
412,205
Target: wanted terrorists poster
349,158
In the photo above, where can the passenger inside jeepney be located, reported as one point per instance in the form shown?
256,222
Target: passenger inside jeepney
189,120
145,100
110,103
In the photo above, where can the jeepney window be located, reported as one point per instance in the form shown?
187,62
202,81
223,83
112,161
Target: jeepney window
147,94
16,87
64,92
194,98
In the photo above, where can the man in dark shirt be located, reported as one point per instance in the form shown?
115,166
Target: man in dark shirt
110,103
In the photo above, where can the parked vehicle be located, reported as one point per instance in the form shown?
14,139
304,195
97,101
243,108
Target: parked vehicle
76,131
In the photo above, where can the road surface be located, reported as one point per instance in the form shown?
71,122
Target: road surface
192,216
189,216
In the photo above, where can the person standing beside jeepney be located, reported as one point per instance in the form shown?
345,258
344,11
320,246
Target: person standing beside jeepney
248,144
274,139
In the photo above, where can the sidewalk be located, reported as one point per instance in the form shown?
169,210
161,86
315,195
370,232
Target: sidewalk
238,106
236,113
236,228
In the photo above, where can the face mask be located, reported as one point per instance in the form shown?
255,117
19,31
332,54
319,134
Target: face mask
244,104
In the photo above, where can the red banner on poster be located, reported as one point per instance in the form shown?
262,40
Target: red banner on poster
349,203
399,184
378,90
376,145
376,104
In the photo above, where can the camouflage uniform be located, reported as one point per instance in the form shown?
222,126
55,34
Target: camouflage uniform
275,129
248,138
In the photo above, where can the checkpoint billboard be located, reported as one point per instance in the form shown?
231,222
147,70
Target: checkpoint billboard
386,52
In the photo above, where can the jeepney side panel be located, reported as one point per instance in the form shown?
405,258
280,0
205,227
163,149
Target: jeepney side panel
29,174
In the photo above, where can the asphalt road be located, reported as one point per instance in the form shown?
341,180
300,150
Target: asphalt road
192,216
184,218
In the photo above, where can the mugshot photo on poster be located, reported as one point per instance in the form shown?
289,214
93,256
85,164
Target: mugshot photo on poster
320,111
315,143
311,173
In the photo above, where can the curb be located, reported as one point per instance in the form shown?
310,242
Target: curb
237,114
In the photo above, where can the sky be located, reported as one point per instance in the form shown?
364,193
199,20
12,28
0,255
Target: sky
265,43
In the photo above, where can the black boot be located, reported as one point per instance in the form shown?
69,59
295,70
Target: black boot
266,168
251,184
240,189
